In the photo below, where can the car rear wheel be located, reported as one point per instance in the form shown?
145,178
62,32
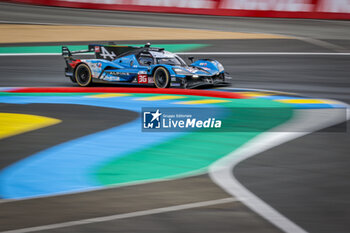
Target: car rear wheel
83,75
161,78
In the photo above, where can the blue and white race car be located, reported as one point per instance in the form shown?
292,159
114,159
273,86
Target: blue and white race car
141,65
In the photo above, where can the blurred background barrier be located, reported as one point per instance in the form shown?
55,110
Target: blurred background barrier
318,9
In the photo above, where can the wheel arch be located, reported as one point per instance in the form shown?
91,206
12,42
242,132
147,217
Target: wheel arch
156,67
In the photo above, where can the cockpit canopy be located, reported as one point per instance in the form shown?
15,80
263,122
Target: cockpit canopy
160,57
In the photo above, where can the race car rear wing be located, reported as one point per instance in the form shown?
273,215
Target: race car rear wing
111,52
66,53
107,52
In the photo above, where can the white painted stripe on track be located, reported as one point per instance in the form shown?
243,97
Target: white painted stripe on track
200,53
221,171
124,216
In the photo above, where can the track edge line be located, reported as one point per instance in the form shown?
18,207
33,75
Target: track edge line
221,173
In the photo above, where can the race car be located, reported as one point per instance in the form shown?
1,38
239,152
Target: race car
141,65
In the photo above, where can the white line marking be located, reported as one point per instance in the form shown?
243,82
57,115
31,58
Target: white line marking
198,53
221,172
123,216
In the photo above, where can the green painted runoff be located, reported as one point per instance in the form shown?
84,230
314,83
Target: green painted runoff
196,151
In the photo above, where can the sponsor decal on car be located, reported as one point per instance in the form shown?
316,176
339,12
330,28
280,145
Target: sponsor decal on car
107,54
95,69
111,78
142,77
150,80
119,73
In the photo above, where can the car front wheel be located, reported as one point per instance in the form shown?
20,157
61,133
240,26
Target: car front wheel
161,78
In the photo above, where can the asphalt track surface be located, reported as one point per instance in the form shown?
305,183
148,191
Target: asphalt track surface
306,179
310,75
46,138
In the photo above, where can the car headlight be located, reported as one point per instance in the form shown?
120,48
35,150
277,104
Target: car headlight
180,71
220,67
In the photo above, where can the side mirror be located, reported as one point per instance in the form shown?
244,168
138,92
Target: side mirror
148,63
191,59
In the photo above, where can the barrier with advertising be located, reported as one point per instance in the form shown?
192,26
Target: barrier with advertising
321,9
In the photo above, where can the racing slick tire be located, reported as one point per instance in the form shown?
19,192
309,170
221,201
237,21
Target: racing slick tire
161,78
82,75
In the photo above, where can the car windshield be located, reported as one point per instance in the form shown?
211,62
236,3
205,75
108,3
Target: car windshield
145,60
175,61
